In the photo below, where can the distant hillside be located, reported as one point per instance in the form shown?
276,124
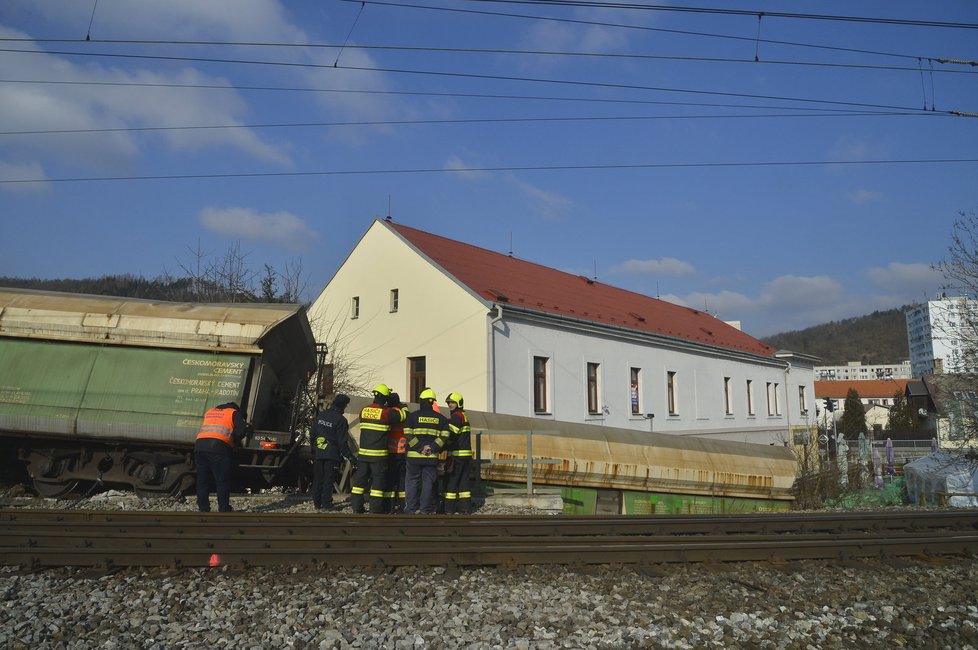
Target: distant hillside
880,337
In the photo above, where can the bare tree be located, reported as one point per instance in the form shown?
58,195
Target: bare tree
960,270
960,323
231,278
345,370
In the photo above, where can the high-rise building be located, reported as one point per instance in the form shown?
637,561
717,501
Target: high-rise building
943,336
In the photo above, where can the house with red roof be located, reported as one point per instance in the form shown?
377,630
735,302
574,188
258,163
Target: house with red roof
414,309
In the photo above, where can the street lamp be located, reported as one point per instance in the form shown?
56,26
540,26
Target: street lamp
650,417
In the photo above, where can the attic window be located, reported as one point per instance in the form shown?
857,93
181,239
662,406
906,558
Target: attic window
708,332
637,317
586,279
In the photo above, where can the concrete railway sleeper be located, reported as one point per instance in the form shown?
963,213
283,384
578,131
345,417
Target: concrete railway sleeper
34,539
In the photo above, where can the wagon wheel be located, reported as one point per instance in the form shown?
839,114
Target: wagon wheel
54,489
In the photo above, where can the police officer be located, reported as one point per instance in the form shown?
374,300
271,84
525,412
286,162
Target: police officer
426,432
375,422
330,443
458,495
222,429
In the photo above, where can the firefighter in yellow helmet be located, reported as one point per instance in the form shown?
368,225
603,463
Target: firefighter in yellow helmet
375,423
426,432
458,494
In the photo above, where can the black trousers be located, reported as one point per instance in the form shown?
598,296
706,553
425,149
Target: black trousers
395,490
324,473
458,492
213,474
369,480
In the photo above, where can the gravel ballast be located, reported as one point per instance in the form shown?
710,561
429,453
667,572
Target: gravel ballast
906,603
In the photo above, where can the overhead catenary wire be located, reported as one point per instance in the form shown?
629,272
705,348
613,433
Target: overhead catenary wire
592,4
511,168
453,95
473,75
472,120
597,23
470,50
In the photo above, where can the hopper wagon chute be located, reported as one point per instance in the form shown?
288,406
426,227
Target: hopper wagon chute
98,389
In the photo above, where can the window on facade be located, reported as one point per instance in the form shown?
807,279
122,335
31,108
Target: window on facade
671,398
416,377
750,397
394,299
727,397
592,389
355,307
770,398
633,390
802,403
540,384
777,399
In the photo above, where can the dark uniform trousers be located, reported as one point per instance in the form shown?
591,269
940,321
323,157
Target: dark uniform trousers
396,486
458,494
213,473
370,472
324,473
421,483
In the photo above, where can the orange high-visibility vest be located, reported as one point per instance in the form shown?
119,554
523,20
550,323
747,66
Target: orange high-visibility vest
219,425
395,439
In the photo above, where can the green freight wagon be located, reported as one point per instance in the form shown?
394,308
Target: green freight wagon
97,389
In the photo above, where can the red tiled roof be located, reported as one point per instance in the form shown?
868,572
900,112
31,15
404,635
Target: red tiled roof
510,281
875,388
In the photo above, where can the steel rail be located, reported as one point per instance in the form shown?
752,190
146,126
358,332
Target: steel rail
109,539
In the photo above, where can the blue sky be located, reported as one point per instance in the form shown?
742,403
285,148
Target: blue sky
653,149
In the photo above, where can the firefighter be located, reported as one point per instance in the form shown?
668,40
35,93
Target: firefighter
458,495
426,432
222,429
396,462
330,443
375,422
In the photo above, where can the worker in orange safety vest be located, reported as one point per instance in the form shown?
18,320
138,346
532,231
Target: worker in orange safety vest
223,428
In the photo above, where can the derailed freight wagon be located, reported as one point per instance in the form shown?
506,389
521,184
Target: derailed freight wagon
97,389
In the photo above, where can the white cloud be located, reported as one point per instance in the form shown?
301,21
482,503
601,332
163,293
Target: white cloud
861,197
462,169
22,172
665,267
908,280
34,107
281,228
852,148
784,303
549,205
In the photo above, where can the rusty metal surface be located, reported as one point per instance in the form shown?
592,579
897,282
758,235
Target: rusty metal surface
594,456
37,539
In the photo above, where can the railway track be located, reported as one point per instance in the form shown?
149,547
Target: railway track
37,539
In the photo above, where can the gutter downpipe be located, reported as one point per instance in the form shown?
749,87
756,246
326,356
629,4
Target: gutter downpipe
787,404
491,386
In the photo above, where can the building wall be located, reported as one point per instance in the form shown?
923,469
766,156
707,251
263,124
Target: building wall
699,383
856,371
938,333
435,318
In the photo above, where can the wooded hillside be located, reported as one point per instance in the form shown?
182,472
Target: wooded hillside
880,337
